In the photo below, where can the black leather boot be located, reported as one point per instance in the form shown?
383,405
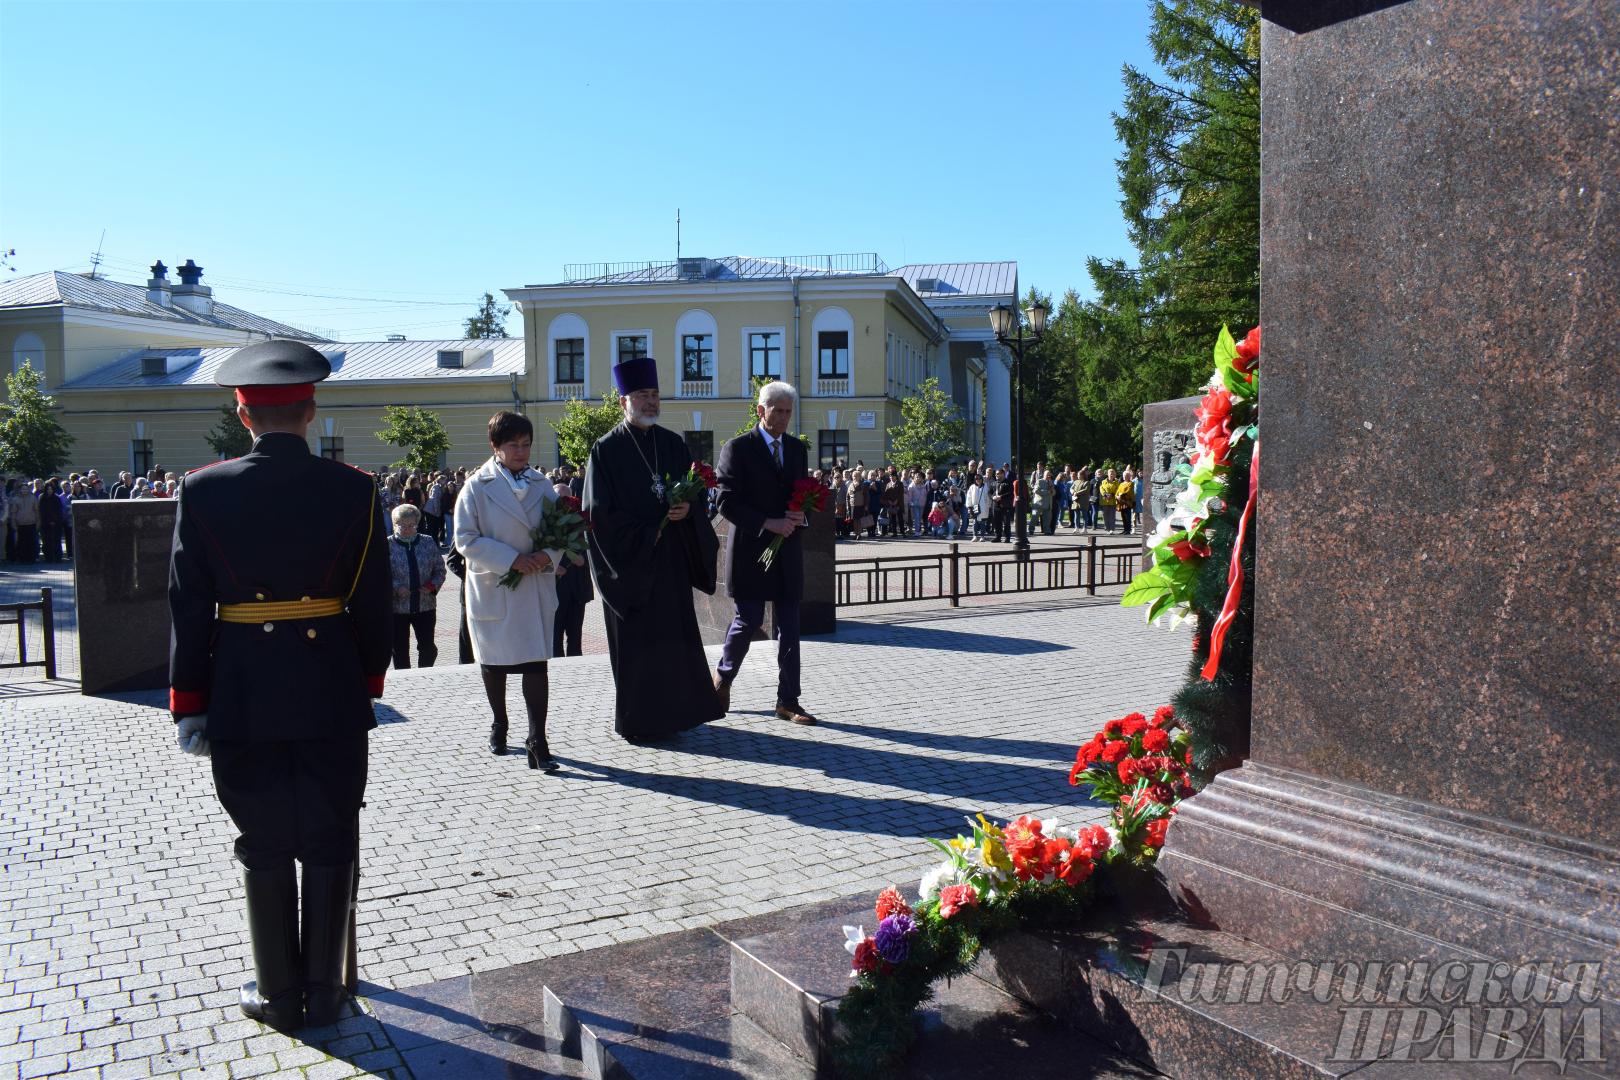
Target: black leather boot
328,892
276,994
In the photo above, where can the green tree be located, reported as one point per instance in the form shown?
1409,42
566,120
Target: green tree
1190,180
583,422
420,432
229,438
490,320
931,430
32,441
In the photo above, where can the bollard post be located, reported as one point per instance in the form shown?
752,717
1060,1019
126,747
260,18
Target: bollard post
48,626
955,591
1091,566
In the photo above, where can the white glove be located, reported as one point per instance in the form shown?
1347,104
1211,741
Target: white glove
192,735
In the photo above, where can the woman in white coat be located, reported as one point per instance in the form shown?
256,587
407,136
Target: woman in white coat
511,629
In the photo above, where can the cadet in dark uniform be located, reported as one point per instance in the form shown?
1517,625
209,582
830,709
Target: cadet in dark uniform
281,638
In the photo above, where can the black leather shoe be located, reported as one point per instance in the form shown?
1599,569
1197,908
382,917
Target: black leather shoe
540,756
497,739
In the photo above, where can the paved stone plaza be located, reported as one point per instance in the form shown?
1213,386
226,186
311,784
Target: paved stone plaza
124,939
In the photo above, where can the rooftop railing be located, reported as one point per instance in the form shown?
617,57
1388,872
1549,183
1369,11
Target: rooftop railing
732,268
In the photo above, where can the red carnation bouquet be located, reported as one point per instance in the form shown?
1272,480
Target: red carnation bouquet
699,479
562,527
808,495
1141,766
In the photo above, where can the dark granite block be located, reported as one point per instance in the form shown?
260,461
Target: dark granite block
121,589
729,1047
818,613
1441,306
486,1057
435,1012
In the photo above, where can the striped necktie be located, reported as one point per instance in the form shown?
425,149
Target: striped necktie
776,452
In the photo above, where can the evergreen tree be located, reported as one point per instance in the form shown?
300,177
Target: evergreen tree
1190,177
229,439
490,320
420,432
33,442
582,423
931,430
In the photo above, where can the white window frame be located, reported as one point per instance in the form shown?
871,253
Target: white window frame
613,344
832,318
569,324
29,347
747,359
696,321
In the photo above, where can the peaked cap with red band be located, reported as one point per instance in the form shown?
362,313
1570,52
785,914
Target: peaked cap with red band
273,373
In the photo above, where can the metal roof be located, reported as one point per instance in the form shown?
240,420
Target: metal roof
961,279
354,361
730,268
77,290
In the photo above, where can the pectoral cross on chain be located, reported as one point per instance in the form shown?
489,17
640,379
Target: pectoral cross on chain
658,487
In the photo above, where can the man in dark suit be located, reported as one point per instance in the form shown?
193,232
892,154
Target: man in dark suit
276,686
756,473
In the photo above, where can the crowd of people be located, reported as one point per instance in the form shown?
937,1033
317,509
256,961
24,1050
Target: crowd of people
38,513
979,501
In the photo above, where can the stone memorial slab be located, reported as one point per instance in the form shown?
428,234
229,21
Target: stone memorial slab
121,585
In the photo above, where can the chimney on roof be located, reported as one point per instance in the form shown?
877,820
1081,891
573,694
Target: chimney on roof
191,294
157,289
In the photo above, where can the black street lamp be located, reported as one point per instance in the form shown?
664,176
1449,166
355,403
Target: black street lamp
1009,327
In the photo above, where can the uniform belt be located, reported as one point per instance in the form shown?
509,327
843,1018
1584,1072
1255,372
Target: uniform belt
280,611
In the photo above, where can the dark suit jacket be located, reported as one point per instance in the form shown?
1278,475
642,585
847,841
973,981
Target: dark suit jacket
279,524
751,491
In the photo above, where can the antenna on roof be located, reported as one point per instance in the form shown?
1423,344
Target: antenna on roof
677,236
95,257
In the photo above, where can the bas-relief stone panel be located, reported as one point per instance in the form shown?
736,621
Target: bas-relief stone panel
1438,616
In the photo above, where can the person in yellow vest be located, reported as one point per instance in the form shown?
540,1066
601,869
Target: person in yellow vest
1106,496
1125,500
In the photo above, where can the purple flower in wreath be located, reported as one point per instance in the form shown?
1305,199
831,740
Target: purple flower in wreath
892,938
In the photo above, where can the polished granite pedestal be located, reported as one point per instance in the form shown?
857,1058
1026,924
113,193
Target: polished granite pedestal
754,998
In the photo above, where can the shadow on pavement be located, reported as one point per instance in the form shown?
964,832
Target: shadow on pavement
1030,748
956,641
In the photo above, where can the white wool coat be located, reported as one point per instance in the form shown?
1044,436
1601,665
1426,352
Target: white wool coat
494,527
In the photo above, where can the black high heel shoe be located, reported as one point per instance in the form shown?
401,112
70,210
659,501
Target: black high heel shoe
540,756
497,739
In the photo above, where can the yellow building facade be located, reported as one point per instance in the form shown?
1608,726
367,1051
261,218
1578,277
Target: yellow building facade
132,368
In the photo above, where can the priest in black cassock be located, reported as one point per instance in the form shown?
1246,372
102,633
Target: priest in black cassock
660,673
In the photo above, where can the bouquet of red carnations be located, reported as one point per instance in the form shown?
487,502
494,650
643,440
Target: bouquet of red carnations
699,479
562,528
1141,766
808,495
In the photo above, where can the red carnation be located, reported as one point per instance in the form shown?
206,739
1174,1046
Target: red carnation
953,898
1156,739
703,470
1115,750
1164,716
867,960
1248,352
1130,725
1187,550
1114,728
889,902
1093,841
1153,833
1187,757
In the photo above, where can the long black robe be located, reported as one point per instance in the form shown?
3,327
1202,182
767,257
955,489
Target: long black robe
660,673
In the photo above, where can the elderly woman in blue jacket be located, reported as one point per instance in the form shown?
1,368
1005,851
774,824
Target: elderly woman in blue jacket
511,628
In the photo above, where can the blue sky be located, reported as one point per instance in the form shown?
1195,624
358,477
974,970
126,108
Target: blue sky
422,154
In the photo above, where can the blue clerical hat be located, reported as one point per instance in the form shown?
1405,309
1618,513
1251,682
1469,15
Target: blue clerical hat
638,374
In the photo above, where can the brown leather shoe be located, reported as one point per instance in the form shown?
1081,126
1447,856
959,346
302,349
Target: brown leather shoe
795,714
722,692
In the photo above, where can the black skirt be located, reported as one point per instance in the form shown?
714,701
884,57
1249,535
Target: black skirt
528,667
